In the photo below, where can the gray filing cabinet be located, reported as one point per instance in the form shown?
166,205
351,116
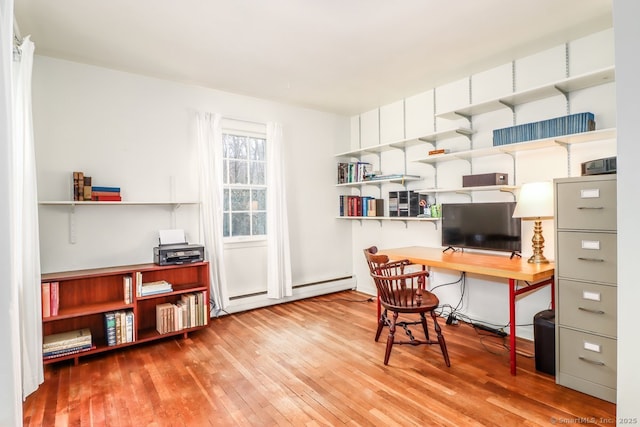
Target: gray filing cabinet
586,284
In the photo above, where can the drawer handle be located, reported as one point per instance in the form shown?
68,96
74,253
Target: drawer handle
590,207
590,310
593,362
590,259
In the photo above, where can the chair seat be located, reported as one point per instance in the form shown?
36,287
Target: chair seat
429,302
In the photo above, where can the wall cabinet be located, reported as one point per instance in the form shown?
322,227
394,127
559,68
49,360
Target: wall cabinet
84,297
586,284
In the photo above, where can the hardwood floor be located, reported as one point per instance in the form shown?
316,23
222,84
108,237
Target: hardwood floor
312,363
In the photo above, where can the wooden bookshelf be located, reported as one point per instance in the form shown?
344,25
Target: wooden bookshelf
84,296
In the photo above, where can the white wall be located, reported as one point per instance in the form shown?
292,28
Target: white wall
625,15
485,297
137,133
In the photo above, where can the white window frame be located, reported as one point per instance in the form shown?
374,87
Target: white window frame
251,130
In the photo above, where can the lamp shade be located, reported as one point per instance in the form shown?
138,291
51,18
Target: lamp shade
535,201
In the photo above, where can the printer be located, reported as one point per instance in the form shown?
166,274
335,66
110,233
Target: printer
173,249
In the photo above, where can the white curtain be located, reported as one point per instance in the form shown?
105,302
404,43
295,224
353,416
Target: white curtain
209,142
10,350
26,238
279,284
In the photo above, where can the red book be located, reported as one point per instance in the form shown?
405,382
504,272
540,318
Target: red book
104,193
107,198
54,294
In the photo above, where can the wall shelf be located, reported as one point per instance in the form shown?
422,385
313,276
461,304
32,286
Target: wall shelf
563,140
570,84
431,138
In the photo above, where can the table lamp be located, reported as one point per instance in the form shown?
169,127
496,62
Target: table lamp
535,203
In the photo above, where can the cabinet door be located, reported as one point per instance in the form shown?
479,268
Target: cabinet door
587,356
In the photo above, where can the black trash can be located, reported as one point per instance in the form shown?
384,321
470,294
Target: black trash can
544,341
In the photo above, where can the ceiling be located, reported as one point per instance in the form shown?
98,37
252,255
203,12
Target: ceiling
340,56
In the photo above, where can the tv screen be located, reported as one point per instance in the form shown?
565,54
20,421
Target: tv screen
481,226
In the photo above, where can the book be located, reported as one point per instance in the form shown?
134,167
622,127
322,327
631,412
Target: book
438,151
106,198
110,328
104,193
106,189
78,336
127,284
66,347
68,352
129,327
80,186
87,188
118,327
74,177
46,299
54,293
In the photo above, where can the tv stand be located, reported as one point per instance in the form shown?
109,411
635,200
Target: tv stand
452,249
516,254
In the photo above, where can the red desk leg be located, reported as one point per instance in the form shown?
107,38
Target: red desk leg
513,293
512,325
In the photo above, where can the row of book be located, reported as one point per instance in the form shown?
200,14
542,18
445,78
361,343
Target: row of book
66,343
565,125
188,312
151,288
361,206
119,327
83,190
354,172
50,299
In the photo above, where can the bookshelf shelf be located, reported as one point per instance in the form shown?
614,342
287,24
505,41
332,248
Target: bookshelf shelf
504,188
397,180
84,297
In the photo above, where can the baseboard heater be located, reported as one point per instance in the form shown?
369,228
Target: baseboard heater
302,285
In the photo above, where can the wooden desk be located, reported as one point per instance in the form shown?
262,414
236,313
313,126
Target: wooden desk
536,275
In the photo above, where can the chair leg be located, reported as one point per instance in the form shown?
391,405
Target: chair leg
381,322
423,319
390,339
443,345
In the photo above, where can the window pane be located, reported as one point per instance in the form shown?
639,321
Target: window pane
259,223
257,173
259,199
225,224
226,200
240,200
237,147
241,225
257,149
225,171
237,172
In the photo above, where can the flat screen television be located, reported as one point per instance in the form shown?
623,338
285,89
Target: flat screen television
487,226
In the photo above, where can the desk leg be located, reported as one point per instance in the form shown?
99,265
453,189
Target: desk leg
512,325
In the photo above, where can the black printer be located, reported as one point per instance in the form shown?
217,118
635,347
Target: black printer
181,253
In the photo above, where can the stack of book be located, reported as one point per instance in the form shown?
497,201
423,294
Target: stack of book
153,288
106,194
118,327
189,312
50,300
565,125
66,343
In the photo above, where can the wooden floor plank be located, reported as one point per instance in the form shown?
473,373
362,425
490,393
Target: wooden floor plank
306,363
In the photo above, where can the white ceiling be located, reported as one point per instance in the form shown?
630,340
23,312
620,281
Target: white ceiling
342,56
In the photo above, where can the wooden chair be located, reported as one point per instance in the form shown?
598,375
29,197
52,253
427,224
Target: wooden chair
403,292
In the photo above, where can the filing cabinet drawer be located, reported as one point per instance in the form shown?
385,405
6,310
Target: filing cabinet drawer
587,306
587,356
587,256
586,205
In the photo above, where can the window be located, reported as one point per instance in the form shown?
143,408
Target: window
245,186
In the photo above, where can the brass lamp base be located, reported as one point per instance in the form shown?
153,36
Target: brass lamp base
538,244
